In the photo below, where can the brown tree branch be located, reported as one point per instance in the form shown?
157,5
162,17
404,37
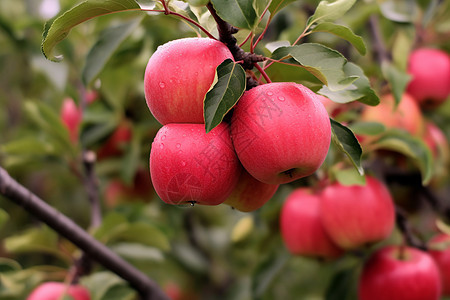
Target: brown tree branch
20,195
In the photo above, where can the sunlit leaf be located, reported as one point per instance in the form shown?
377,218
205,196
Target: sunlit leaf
239,13
344,33
359,90
323,62
397,79
329,12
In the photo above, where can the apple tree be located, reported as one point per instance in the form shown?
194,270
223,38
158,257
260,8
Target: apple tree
225,149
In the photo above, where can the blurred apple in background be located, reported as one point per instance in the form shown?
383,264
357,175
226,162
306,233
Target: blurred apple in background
439,249
396,273
301,226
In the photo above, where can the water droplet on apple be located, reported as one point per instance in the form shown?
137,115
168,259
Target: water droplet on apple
281,98
269,93
178,146
162,85
183,163
161,146
163,138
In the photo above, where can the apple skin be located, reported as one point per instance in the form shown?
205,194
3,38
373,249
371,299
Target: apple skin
386,276
301,227
407,116
281,132
436,141
188,165
430,71
356,215
442,259
250,194
178,76
55,290
71,117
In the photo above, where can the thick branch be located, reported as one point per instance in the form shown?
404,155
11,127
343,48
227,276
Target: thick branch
17,193
226,32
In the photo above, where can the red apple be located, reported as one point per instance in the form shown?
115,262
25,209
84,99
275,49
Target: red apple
356,215
115,144
178,76
250,194
389,276
281,132
442,258
56,291
430,71
188,165
71,116
436,141
406,116
301,227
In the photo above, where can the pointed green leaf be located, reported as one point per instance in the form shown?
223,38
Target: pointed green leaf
360,90
345,140
329,12
108,42
399,11
4,217
276,5
342,32
228,86
31,145
323,62
397,80
415,148
239,13
367,128
260,6
84,11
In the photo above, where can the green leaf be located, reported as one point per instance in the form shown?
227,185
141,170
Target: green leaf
367,128
138,252
228,86
84,11
342,32
9,265
402,142
239,13
397,80
4,217
31,145
108,42
43,240
323,62
360,90
345,140
116,228
276,5
119,292
100,282
329,12
349,177
404,11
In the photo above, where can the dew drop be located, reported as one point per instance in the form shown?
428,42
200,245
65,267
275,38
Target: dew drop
163,138
161,146
269,93
281,98
162,85
178,146
183,163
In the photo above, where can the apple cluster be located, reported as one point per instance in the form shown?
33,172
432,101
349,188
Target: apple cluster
338,218
276,133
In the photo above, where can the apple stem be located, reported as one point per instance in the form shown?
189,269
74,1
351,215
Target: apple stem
226,32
